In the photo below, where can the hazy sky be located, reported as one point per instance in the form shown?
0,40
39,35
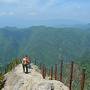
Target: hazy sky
23,12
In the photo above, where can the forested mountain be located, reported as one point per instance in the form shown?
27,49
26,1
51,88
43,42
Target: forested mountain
47,44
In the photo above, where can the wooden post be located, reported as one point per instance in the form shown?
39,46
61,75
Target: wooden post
43,71
83,79
71,75
55,71
61,67
51,73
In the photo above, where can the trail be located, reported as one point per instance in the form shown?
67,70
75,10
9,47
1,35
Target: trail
17,80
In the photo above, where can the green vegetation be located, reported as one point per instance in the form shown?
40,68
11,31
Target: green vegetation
1,80
8,68
44,43
47,45
12,65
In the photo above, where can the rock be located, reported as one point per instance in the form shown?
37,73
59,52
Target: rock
17,80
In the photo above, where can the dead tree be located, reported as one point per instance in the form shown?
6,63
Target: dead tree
83,79
71,75
61,67
55,72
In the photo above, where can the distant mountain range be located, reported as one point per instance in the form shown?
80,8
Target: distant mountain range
46,22
46,44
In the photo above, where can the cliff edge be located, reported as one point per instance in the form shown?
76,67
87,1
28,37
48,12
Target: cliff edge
17,80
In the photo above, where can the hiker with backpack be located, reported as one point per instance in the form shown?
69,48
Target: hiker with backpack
26,63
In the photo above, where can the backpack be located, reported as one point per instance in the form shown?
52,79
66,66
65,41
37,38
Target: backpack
25,61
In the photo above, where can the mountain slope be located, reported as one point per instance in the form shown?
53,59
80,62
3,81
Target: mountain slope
45,44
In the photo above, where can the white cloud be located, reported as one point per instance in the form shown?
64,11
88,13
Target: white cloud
43,9
6,13
33,13
11,13
2,13
25,5
48,5
9,1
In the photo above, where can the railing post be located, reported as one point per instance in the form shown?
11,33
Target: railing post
43,71
55,71
71,75
83,79
51,73
61,67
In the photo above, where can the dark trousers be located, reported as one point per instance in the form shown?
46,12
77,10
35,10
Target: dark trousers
25,66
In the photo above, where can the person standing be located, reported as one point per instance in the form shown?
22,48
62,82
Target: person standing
25,63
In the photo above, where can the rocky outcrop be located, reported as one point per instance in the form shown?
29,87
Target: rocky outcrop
17,80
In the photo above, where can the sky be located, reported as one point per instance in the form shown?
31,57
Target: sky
43,12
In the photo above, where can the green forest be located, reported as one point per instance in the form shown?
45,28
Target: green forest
47,45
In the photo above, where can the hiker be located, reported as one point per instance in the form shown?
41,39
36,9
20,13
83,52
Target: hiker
25,63
29,66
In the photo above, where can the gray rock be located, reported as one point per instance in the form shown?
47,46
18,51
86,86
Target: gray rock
17,80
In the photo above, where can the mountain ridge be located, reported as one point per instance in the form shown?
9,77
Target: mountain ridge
17,80
40,41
